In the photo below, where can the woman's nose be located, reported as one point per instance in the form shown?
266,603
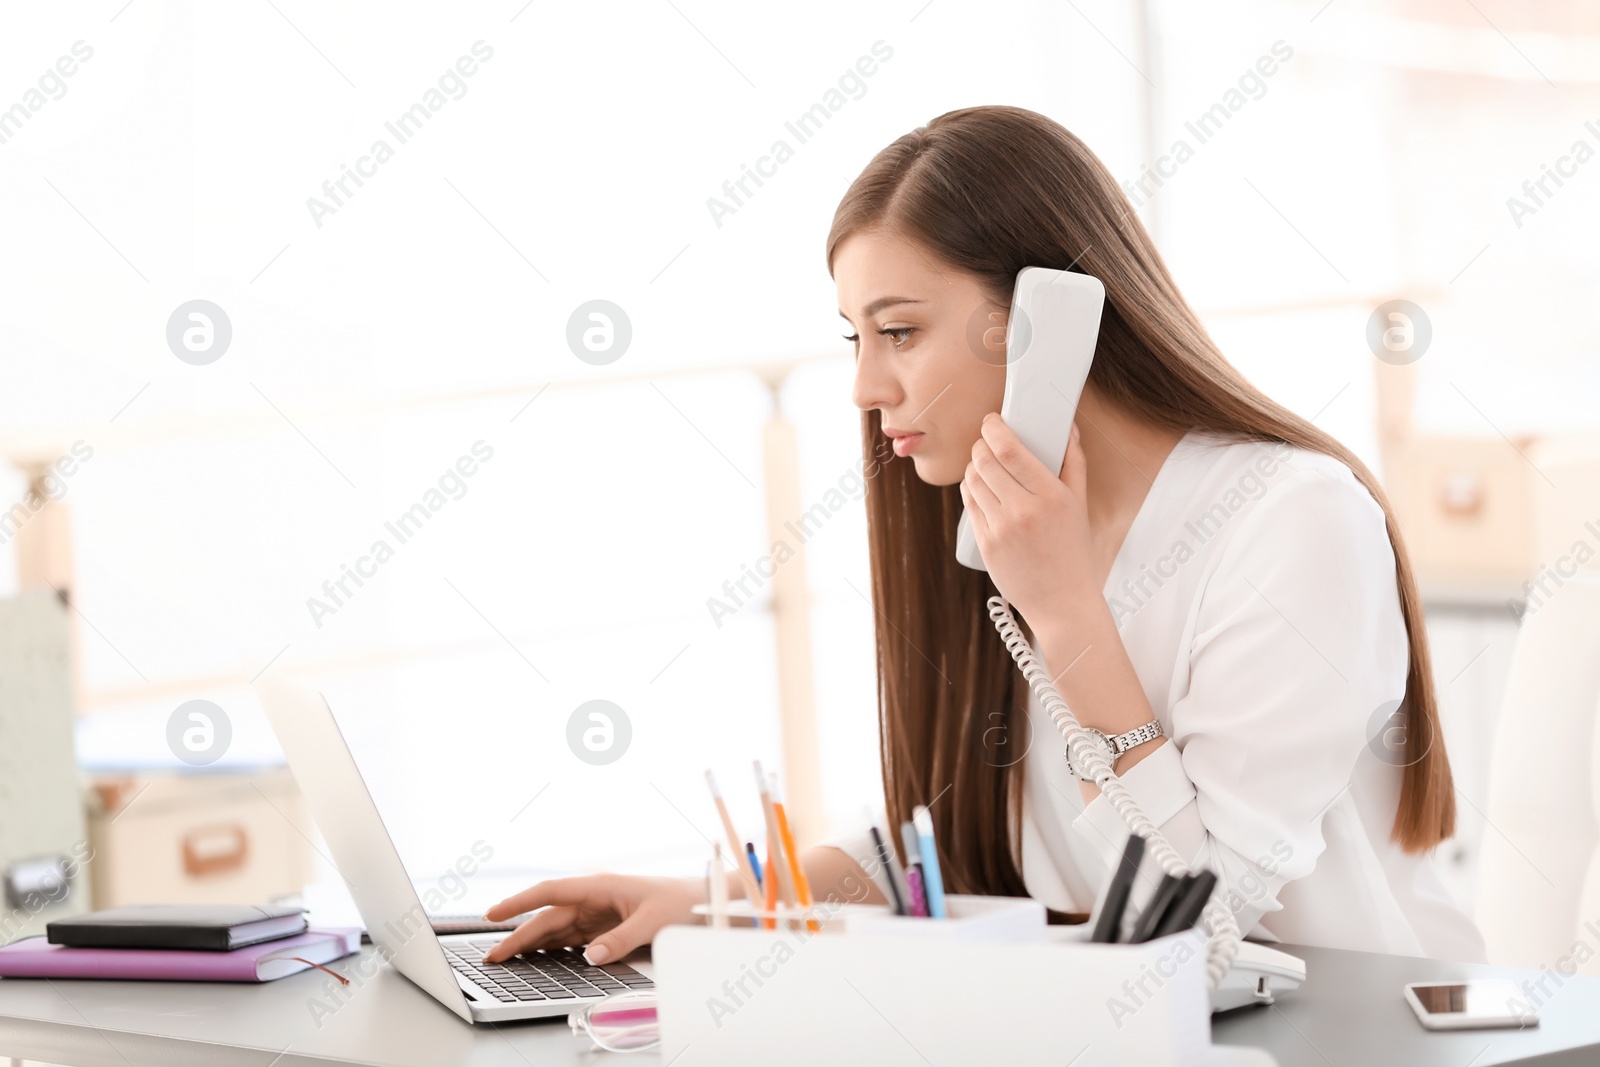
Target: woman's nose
873,387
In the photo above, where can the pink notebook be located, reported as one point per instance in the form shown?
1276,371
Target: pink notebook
34,957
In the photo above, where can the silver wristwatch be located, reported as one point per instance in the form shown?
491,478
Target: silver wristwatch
1115,746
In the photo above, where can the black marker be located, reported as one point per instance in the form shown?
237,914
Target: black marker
1169,889
1109,924
1186,911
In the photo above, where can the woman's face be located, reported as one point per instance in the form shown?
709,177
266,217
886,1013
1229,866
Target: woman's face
930,349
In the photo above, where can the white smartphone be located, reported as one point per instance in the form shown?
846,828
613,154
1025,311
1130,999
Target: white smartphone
1051,335
1471,1004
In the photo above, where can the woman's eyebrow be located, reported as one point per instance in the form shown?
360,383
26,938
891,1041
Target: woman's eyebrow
881,303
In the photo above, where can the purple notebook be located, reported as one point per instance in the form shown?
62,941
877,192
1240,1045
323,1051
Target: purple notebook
34,957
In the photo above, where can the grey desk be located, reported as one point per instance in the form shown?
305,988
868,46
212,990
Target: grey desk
1348,1012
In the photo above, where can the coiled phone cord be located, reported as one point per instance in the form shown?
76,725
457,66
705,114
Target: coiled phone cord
1223,944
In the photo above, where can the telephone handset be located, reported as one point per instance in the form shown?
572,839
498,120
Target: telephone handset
1050,340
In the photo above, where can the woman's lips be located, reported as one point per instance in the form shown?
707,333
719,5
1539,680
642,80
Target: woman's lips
905,444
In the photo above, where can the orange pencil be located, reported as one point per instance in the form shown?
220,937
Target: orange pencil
772,890
802,888
777,867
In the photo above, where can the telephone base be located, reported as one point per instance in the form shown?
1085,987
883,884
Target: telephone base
1257,975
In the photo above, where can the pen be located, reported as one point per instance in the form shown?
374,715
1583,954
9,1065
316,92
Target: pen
755,864
917,900
802,888
747,875
932,881
1109,925
886,860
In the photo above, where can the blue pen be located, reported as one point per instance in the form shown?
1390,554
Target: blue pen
755,864
933,881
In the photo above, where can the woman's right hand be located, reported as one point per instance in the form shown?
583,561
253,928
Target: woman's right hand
612,914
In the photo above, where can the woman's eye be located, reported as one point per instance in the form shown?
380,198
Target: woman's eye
898,333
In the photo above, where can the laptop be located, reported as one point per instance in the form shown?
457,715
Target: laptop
449,968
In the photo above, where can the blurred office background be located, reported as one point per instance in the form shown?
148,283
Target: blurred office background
1353,153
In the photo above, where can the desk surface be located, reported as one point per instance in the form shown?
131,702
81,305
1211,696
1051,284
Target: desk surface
1350,1011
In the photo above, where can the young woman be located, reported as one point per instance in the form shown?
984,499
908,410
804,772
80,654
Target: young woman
1207,568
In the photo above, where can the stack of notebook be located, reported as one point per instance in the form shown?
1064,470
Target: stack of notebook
179,942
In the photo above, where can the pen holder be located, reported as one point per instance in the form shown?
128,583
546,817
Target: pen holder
883,989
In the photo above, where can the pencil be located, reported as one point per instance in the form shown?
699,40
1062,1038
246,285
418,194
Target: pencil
772,891
802,887
747,874
777,868
717,887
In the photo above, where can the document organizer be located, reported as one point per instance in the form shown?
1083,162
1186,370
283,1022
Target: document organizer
875,988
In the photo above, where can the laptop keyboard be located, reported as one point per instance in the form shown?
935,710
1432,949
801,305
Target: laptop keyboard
549,974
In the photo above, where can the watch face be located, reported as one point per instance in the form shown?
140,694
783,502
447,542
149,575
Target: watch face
1100,741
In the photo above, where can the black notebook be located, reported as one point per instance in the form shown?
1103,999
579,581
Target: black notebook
208,927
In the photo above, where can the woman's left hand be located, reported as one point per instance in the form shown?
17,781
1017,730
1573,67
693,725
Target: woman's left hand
1032,525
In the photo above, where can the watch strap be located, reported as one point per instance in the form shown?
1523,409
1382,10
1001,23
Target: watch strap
1137,736
1120,743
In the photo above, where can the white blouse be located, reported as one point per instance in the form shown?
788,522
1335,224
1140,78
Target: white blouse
1255,594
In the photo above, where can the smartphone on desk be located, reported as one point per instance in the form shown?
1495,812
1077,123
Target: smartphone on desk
1471,1004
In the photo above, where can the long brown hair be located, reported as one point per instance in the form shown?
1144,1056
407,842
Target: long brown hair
990,190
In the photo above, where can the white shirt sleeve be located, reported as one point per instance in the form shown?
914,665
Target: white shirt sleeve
856,842
1295,643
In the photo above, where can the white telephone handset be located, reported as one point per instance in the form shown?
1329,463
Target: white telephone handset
1050,341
